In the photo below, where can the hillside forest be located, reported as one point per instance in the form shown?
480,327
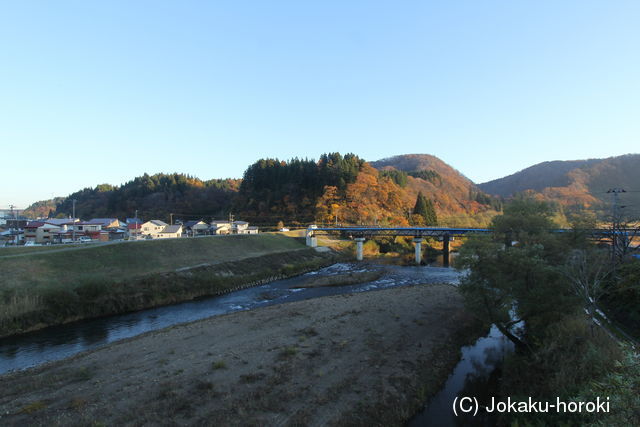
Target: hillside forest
336,188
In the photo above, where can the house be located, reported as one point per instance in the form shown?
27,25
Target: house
239,227
152,228
170,231
134,231
31,231
90,229
64,223
105,222
196,228
42,232
235,227
220,227
118,233
11,237
86,226
16,223
251,230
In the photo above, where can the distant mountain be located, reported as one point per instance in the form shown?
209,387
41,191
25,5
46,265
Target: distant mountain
578,183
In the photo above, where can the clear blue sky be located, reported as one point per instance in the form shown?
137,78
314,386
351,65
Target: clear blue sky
101,92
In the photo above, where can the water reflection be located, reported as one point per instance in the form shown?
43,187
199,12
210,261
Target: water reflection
476,375
58,342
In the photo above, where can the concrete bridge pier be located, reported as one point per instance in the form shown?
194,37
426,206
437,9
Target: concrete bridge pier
359,242
445,250
312,240
418,242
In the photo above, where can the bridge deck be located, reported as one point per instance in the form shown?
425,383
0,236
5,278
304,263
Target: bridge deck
362,231
401,231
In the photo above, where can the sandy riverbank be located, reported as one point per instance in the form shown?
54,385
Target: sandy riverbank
367,358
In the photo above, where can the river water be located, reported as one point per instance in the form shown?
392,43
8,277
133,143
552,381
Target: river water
58,342
476,375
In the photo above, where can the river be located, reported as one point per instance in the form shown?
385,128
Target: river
58,342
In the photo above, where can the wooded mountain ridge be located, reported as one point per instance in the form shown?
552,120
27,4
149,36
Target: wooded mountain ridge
335,188
347,189
576,184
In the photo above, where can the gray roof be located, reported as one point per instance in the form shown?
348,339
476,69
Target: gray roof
102,221
60,221
158,222
192,223
172,229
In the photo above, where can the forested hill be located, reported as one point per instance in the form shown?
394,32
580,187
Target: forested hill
453,194
350,190
576,183
153,196
343,188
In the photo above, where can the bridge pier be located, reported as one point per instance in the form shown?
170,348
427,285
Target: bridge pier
445,250
312,240
418,242
359,241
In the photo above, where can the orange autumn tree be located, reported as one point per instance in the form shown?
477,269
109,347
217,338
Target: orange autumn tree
374,199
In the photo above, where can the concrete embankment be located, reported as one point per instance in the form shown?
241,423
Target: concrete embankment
48,289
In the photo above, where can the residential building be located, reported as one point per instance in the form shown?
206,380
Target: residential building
86,226
42,232
170,231
239,227
220,227
90,229
105,222
134,231
61,222
196,228
251,230
153,228
31,231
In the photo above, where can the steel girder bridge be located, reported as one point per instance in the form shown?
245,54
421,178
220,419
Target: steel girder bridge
444,234
360,234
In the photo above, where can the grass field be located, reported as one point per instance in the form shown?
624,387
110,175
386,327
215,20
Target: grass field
129,260
23,250
49,287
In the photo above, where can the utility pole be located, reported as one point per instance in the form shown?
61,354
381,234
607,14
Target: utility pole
170,219
14,215
615,224
136,220
73,216
15,223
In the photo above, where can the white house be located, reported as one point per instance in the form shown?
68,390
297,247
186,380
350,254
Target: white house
220,227
170,231
152,228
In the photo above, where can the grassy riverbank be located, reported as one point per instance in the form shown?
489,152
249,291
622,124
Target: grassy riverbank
370,358
43,289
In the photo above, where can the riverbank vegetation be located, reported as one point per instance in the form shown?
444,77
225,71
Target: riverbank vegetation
43,289
542,290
